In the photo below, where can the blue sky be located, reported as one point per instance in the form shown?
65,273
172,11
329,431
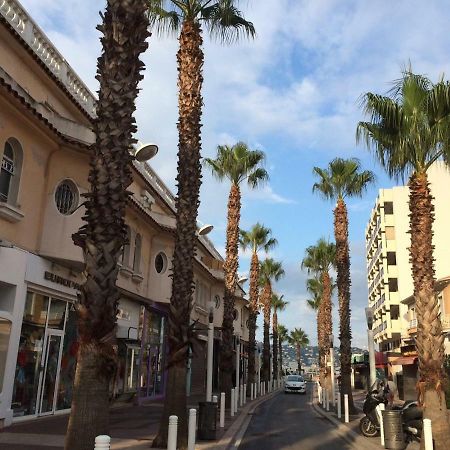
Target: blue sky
294,93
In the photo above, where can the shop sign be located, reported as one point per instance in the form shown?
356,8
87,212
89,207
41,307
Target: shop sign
61,280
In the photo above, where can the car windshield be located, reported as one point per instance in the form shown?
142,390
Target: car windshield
294,378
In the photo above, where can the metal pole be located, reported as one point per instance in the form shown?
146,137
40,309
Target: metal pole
172,433
328,399
238,351
102,442
339,406
232,403
427,434
352,378
222,410
346,420
209,360
191,428
333,387
373,373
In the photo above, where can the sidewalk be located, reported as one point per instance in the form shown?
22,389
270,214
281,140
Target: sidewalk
132,426
350,431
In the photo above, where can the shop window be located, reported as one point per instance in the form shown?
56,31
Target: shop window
11,168
161,262
5,331
66,197
137,253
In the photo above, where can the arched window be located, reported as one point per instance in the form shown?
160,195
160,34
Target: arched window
11,168
137,253
126,249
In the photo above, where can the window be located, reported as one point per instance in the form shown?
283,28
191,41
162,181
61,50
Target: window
217,301
161,262
395,312
390,233
126,248
11,167
137,253
66,197
393,284
391,259
388,207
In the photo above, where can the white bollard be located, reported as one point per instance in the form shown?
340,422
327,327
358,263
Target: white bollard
427,434
381,408
232,403
102,442
319,391
328,400
346,416
237,390
245,393
222,410
172,434
214,399
192,428
339,406
324,398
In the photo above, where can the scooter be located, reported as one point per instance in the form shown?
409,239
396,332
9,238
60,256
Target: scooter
369,425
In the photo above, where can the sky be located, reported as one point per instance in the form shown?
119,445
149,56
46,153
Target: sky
293,92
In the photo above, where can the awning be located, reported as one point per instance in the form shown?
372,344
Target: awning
404,361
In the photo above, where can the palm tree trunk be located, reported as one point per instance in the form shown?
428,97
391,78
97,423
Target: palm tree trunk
343,284
280,355
430,339
266,295
275,344
230,268
124,29
320,343
180,332
299,359
253,309
327,323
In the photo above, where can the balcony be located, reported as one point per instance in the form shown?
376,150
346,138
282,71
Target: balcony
412,326
445,320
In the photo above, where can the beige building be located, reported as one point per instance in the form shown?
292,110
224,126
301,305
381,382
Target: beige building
389,275
46,113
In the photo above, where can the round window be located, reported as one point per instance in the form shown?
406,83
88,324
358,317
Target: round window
161,262
66,197
217,301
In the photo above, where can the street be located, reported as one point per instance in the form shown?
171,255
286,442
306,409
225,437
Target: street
288,421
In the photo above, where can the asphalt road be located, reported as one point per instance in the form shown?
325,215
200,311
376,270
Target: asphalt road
288,422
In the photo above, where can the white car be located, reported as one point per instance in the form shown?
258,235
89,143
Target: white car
294,383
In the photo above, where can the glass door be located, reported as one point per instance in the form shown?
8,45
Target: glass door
50,367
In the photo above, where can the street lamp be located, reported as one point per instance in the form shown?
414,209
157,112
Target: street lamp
205,229
242,280
371,345
333,392
210,349
145,152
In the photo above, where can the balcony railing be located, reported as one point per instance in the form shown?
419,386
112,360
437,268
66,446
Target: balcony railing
412,324
35,38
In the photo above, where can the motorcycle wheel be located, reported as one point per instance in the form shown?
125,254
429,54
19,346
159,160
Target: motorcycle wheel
367,428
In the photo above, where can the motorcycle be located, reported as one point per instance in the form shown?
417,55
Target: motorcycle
369,425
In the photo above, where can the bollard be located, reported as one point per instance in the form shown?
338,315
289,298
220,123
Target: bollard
251,392
172,434
328,399
245,393
236,397
102,442
427,434
192,428
324,398
346,417
222,410
319,390
339,406
214,399
232,403
380,409
241,395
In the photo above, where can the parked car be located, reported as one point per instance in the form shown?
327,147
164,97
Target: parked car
294,383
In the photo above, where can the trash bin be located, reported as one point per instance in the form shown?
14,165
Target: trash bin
394,437
207,420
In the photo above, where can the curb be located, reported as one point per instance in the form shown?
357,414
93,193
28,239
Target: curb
232,437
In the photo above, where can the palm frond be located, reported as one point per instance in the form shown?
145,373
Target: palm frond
164,20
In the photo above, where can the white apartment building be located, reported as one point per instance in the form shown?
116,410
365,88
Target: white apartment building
389,275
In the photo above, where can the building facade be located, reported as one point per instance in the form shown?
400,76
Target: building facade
46,115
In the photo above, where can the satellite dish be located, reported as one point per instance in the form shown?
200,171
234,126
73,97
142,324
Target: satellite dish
205,229
146,152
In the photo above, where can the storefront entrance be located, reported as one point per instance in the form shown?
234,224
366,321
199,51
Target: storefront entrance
46,358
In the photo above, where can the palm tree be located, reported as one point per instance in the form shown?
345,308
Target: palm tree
299,339
282,337
278,304
238,164
225,22
320,259
341,179
257,239
124,30
408,131
270,271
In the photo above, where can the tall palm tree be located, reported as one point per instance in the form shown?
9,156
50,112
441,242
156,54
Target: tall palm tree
124,30
282,337
270,271
341,179
257,239
299,339
225,22
237,164
408,131
278,304
320,259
